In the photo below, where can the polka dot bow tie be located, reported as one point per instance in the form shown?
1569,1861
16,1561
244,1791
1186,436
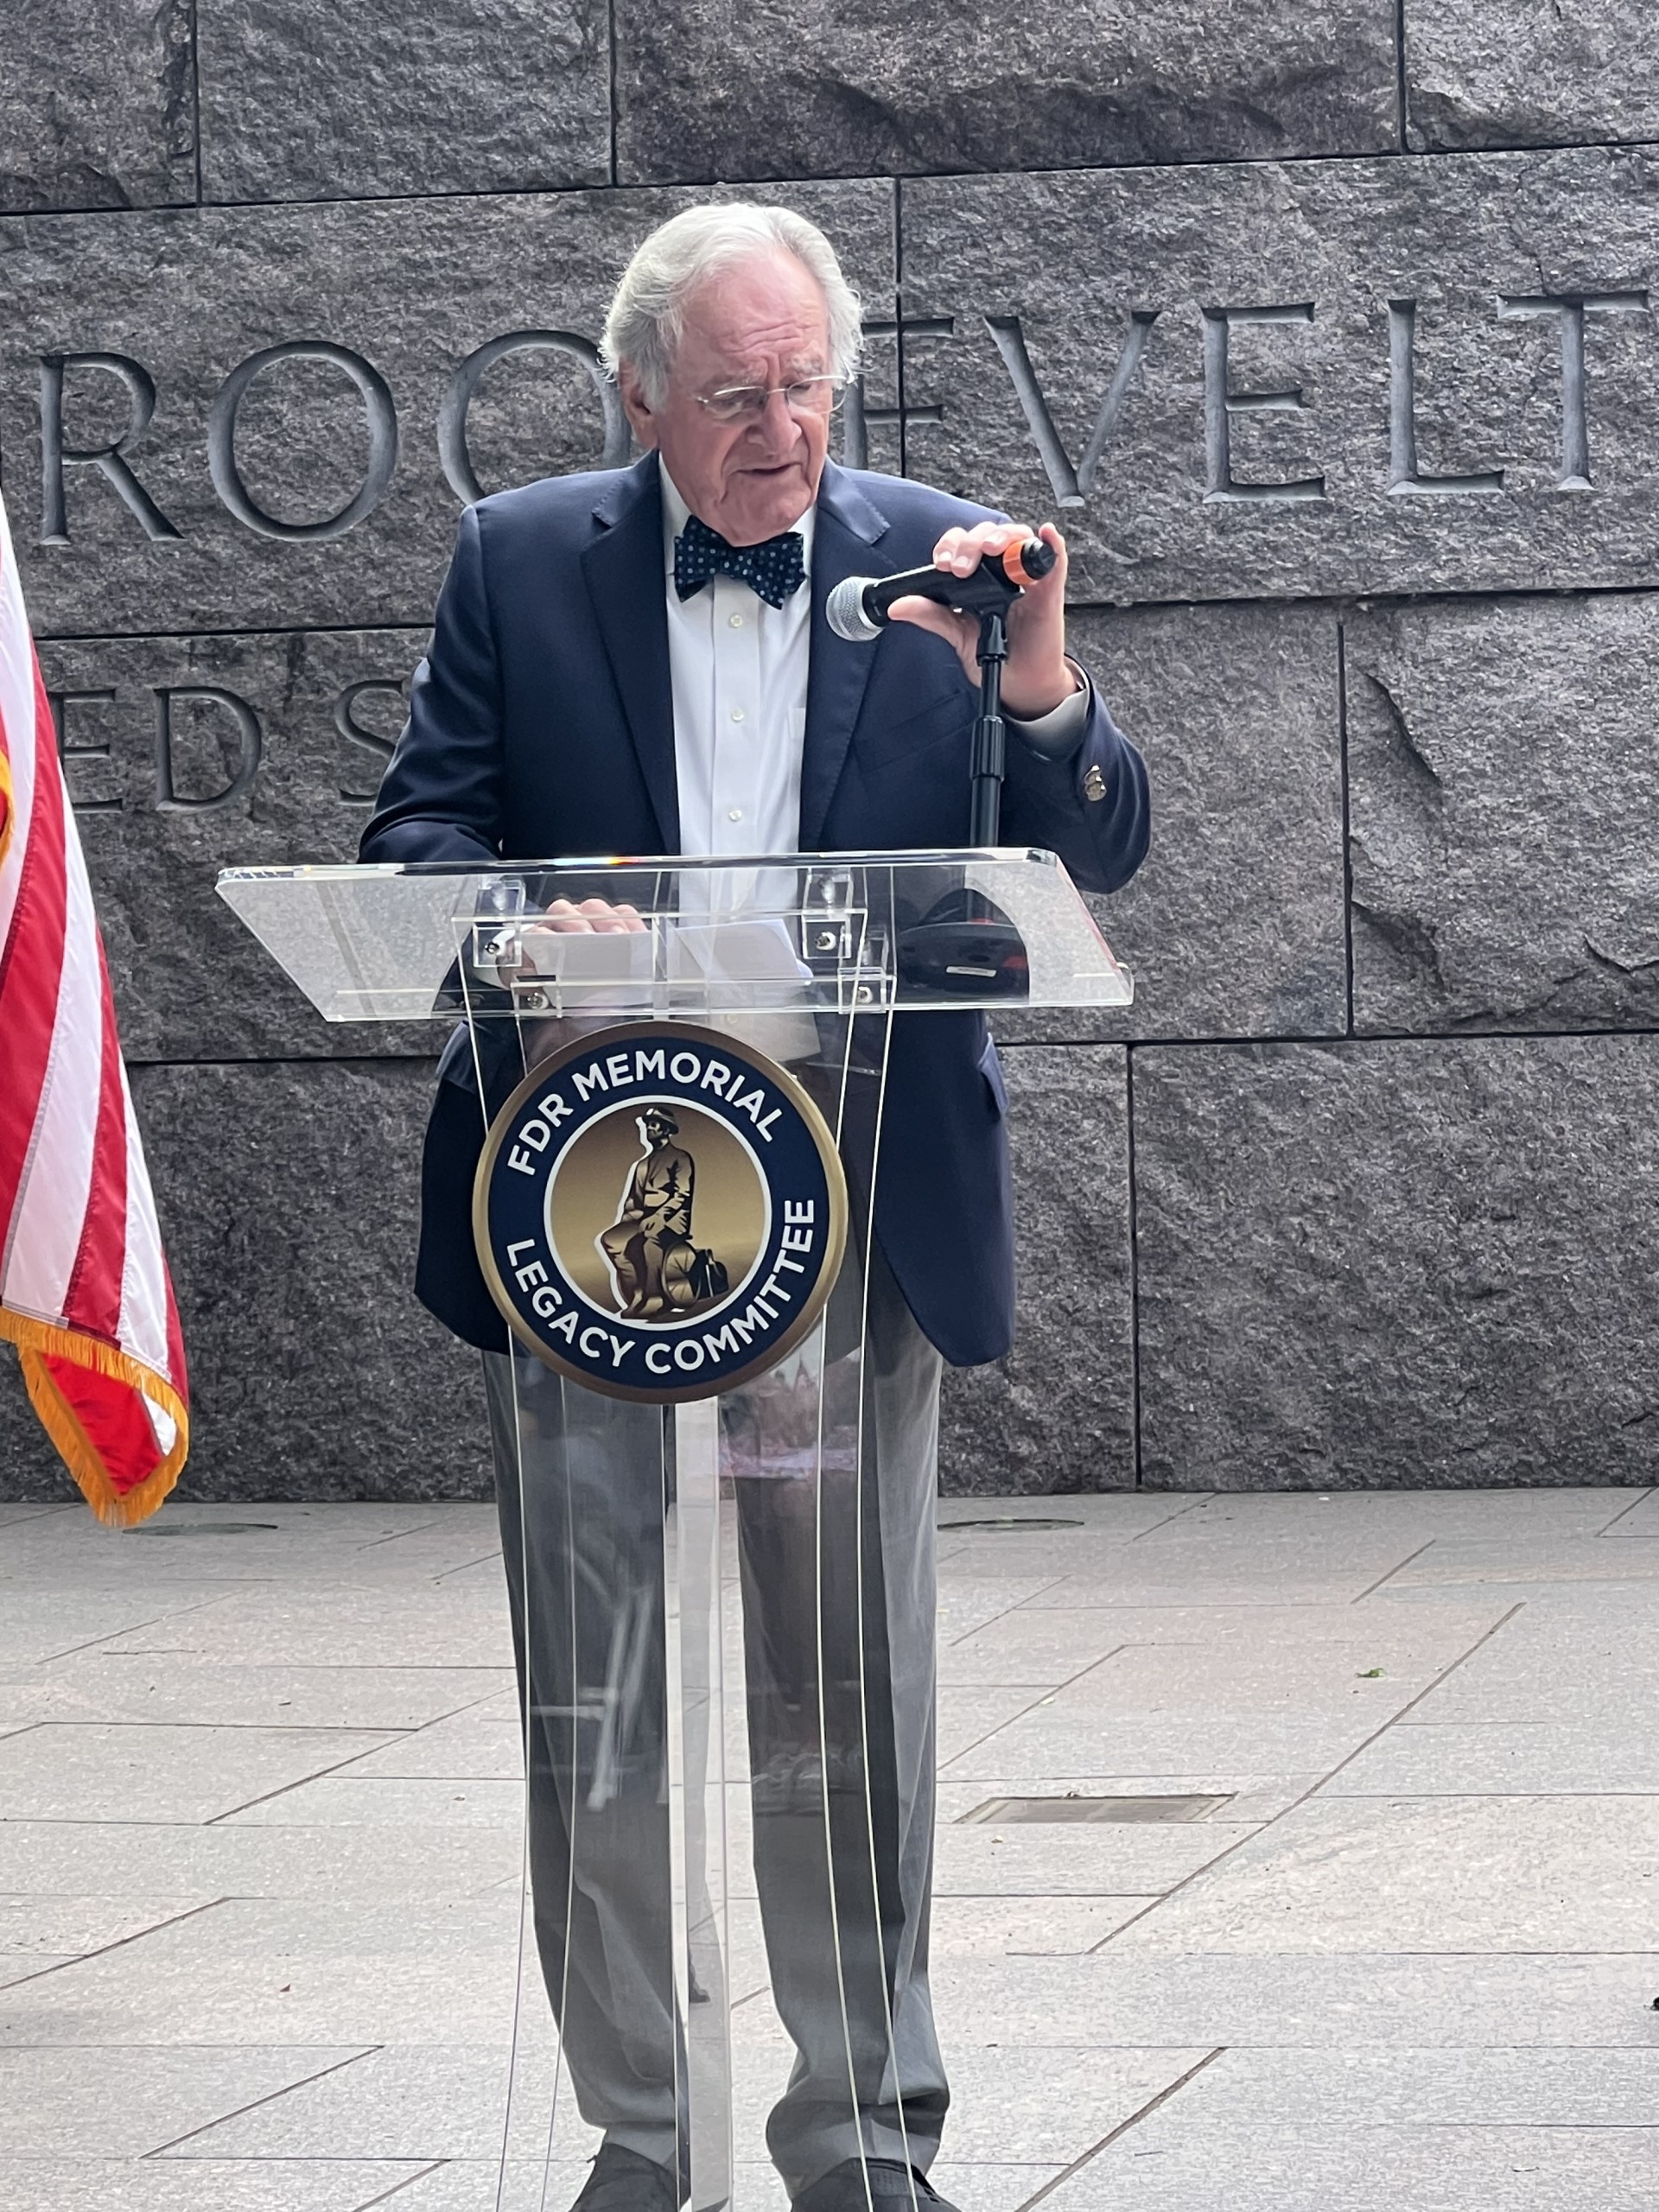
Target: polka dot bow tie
772,570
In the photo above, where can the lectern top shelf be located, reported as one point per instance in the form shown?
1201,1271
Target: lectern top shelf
832,932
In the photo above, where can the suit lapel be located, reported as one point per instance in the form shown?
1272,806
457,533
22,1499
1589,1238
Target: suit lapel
845,541
624,569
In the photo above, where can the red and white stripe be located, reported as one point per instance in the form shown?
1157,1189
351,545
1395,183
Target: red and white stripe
84,1288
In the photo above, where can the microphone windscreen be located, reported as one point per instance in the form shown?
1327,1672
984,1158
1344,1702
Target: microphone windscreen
846,614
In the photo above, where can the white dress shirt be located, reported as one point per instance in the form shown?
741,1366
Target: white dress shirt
738,669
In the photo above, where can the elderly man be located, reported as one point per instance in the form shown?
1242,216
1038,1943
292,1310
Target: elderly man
639,662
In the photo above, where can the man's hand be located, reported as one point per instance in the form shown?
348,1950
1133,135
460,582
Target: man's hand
1037,676
594,915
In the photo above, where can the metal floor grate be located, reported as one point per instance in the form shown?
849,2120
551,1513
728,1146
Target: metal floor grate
1008,1521
209,1529
1069,1811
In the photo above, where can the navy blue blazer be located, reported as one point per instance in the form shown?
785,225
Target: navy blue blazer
542,723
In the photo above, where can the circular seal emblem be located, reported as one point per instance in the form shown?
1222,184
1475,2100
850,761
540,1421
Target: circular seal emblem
660,1211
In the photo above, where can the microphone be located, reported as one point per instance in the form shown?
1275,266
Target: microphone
857,609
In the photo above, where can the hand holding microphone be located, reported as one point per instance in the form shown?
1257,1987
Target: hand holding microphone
993,566
857,609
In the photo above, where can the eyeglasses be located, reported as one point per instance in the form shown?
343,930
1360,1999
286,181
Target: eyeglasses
746,403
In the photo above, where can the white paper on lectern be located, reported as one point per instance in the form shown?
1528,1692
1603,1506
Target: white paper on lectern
749,952
619,964
750,979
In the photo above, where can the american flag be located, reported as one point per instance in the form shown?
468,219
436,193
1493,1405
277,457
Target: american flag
84,1288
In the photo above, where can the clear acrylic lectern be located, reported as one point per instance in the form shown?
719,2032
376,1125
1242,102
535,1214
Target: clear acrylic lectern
684,1441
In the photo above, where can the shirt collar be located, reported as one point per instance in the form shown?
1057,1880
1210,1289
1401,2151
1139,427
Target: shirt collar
677,514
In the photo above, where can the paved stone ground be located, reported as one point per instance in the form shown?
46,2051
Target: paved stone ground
259,1852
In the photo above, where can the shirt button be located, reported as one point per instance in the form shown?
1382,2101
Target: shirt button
736,814
737,714
736,621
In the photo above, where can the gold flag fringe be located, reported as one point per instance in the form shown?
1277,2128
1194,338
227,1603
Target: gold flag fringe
36,1342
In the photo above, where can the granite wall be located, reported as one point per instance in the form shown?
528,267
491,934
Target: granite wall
1329,335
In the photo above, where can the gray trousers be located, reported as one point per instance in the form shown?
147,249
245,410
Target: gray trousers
838,1607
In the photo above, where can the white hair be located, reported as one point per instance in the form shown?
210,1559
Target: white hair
647,316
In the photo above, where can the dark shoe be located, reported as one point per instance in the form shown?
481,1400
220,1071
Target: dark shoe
857,2185
622,2181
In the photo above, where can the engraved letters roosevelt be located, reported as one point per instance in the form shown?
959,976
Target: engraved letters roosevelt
72,461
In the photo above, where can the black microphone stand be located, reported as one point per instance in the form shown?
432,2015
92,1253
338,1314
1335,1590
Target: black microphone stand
857,607
967,946
987,758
